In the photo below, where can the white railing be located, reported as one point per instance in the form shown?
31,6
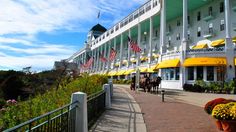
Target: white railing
213,52
134,15
170,55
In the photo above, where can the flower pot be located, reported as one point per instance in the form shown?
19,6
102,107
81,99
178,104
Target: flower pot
219,125
228,126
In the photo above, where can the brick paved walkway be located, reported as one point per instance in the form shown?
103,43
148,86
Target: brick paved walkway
171,116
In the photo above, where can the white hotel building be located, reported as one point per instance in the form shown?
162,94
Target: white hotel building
184,40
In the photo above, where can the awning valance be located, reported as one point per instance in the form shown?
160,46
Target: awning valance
150,70
204,61
234,39
169,63
200,46
144,58
219,42
129,71
133,60
143,69
155,55
120,72
111,73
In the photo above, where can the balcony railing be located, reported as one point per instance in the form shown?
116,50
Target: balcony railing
142,10
193,51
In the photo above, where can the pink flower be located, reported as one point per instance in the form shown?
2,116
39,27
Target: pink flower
11,101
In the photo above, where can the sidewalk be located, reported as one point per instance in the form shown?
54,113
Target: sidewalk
124,116
172,115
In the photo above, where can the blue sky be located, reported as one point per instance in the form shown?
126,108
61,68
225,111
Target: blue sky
38,32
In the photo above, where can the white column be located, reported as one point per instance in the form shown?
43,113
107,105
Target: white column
229,47
184,44
139,42
121,50
150,41
97,60
162,32
114,61
81,119
108,55
105,52
129,51
163,27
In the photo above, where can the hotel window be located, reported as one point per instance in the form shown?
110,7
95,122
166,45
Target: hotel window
210,73
210,28
198,16
190,73
177,73
130,18
169,41
210,11
222,25
199,32
156,33
200,73
178,36
178,23
117,27
220,73
188,35
222,7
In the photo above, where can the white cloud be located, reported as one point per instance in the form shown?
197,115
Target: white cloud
42,15
37,62
22,20
14,41
44,49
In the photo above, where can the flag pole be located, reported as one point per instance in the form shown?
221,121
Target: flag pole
98,16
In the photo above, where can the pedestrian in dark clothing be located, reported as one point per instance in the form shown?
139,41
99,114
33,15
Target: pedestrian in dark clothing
132,86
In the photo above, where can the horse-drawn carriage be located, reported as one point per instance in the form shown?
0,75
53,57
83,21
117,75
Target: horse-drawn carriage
147,84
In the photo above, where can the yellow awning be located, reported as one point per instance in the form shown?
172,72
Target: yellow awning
234,39
124,62
144,58
116,64
204,61
150,70
168,63
155,55
129,71
200,46
143,69
219,42
235,61
133,60
154,67
111,73
120,72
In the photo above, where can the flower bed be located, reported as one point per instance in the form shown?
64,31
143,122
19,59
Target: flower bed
224,111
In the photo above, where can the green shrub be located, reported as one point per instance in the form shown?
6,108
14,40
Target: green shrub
41,104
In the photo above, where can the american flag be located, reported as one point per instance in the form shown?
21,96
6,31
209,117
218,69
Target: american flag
82,65
112,54
89,62
102,58
134,46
